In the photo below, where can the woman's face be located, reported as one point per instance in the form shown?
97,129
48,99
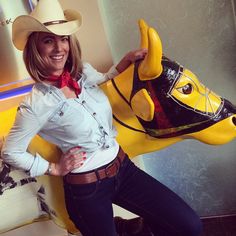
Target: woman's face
54,50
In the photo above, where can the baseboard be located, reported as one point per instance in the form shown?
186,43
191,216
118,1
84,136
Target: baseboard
219,225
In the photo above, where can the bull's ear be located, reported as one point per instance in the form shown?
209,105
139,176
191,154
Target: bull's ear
143,28
151,67
142,105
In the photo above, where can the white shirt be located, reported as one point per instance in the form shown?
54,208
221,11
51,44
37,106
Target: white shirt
85,121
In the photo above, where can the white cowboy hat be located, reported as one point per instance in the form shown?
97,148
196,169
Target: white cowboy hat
47,16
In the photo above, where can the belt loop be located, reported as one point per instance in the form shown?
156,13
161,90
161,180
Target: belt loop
118,155
97,175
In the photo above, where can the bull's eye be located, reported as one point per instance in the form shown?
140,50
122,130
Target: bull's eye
186,89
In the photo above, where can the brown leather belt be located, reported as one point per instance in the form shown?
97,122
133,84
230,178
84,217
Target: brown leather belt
108,171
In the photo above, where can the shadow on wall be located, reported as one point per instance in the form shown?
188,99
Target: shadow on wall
201,36
203,175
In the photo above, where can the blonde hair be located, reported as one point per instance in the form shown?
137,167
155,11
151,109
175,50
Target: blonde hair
36,66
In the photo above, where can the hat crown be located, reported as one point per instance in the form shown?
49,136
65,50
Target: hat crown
47,11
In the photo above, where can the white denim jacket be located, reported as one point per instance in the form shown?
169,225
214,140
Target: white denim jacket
85,121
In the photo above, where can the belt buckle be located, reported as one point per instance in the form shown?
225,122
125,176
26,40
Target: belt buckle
108,170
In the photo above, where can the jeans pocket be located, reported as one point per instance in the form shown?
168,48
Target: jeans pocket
83,191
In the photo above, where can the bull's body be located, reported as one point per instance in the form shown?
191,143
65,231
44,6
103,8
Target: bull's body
155,103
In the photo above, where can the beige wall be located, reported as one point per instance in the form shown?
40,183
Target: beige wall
94,44
92,36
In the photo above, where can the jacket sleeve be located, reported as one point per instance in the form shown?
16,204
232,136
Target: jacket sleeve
14,151
98,77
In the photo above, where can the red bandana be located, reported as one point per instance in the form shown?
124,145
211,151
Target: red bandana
65,80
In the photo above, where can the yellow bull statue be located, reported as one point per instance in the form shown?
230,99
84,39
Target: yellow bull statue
156,102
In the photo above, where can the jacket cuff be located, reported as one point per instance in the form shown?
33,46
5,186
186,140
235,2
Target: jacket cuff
39,167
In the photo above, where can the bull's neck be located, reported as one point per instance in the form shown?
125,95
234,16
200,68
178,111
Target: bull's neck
124,82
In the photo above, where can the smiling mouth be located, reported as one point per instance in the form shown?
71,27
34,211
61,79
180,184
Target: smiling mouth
57,58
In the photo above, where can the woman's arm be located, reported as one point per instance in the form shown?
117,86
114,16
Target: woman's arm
95,77
14,150
130,58
69,161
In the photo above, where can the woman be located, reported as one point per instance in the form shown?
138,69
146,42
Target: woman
67,108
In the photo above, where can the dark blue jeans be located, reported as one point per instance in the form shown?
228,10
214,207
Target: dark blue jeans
90,205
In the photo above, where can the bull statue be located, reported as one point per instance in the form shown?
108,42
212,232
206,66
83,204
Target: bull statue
156,102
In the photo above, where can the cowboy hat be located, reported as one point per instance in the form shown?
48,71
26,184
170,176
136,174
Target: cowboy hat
47,16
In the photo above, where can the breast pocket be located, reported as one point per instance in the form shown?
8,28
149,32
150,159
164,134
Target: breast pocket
59,113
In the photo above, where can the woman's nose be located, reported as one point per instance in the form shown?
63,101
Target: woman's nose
57,46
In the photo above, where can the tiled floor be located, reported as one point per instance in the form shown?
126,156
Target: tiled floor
218,226
215,226
43,228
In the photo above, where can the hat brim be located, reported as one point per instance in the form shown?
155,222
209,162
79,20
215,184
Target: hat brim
24,25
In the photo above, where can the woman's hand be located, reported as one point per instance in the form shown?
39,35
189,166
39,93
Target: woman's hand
72,159
130,58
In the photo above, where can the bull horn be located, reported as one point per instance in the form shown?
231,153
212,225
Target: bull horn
143,28
151,67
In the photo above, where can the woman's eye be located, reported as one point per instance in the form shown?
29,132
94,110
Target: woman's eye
48,41
65,39
186,89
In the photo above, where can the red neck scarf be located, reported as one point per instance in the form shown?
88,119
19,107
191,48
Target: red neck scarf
65,80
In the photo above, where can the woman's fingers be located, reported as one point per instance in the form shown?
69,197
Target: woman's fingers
137,54
72,159
73,150
76,160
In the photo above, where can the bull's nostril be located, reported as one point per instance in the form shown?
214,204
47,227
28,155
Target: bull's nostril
234,120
